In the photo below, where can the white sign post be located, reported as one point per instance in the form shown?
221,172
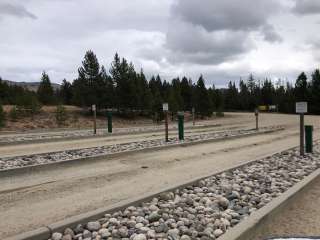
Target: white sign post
301,109
165,107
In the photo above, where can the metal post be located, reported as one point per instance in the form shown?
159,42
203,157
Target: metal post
257,119
94,119
109,116
308,138
301,134
166,126
193,117
180,125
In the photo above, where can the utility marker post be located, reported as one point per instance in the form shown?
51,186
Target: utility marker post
109,116
256,113
193,117
94,109
181,125
301,108
165,107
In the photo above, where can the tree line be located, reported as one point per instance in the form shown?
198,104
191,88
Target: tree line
129,92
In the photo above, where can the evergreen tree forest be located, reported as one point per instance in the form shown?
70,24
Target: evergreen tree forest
129,92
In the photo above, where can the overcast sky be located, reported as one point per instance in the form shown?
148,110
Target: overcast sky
223,40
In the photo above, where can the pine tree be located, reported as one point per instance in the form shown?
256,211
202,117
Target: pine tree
203,103
244,95
231,99
65,92
61,115
186,94
108,99
125,78
267,93
45,91
173,103
146,95
301,88
315,92
87,87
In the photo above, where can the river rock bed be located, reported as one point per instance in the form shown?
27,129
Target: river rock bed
37,159
5,139
205,210
16,138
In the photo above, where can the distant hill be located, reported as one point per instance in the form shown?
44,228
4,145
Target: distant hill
32,86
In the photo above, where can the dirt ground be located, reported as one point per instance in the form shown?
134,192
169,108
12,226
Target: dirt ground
77,118
35,199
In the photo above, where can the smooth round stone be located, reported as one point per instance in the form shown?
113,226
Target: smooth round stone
56,236
93,226
218,232
140,237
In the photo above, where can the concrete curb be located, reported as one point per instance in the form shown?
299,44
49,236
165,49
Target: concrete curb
44,233
246,229
105,135
43,167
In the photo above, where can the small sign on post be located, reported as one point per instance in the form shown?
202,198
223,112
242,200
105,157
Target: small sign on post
301,109
94,109
165,107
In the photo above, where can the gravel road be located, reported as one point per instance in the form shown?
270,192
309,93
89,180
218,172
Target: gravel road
22,149
39,159
205,210
35,199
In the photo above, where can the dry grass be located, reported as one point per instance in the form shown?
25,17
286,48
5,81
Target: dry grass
76,119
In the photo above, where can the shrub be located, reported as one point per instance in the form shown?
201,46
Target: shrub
219,113
61,115
28,105
13,114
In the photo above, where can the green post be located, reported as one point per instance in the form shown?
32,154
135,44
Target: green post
180,125
109,116
308,138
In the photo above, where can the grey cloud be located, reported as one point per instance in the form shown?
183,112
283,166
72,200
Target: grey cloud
228,14
270,34
15,10
305,7
214,31
191,43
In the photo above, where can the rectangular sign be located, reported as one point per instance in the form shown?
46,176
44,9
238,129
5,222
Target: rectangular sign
165,106
93,107
301,107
